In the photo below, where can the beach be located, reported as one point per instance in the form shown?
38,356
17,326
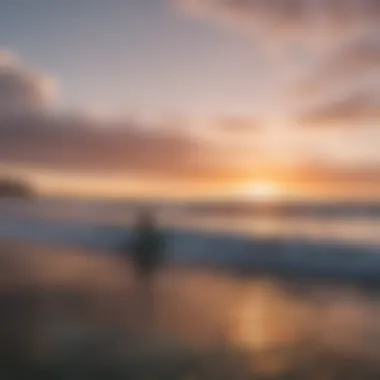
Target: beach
225,304
69,306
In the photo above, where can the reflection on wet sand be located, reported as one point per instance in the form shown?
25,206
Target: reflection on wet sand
60,308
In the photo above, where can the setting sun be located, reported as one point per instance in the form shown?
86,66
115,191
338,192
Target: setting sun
261,190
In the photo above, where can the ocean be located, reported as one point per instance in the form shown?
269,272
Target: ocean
345,223
330,239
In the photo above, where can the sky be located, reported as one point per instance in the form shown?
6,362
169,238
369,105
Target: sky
191,97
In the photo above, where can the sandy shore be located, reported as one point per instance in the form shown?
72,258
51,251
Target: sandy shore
57,303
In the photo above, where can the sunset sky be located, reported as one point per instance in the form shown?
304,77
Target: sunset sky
191,97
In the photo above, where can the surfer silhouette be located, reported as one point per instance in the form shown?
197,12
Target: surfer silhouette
147,246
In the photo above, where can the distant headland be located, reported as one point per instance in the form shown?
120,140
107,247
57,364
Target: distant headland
16,188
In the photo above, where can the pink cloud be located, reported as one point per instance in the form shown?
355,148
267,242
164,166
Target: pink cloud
282,19
360,59
352,110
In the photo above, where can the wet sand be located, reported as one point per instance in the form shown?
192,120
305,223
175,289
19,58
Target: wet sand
60,307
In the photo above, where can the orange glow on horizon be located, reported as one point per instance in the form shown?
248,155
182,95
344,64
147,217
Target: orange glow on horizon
262,190
272,186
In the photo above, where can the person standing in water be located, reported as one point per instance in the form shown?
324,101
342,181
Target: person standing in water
147,246
146,249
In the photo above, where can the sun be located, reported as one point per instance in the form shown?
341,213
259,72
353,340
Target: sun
261,190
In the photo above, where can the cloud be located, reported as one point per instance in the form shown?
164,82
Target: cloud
354,70
289,19
32,133
352,110
322,48
355,60
72,143
23,90
236,124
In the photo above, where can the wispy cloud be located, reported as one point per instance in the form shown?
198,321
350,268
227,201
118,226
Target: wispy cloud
338,40
356,60
237,124
351,111
288,19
